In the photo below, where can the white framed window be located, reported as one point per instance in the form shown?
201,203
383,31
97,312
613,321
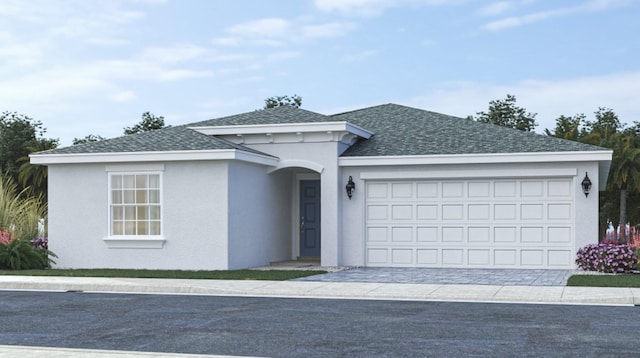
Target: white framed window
135,204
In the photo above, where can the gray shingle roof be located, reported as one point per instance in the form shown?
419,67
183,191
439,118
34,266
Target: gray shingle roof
282,114
162,140
400,130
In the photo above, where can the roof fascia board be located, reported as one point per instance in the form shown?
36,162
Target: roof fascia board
536,157
285,128
455,174
168,156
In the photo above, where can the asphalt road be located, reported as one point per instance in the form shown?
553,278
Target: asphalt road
278,327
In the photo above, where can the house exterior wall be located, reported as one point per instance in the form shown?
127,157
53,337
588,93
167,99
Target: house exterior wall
259,215
353,211
194,218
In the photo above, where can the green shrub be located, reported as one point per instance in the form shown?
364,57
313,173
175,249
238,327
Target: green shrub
22,255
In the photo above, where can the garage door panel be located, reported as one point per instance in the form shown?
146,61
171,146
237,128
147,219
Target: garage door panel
452,189
479,189
401,212
401,190
531,188
474,223
427,212
479,211
479,234
427,233
532,234
479,257
427,257
427,190
402,234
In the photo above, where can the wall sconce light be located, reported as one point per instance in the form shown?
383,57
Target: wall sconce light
351,187
586,185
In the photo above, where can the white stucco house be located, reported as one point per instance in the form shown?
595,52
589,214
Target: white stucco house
431,190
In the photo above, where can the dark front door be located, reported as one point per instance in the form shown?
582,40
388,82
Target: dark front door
310,218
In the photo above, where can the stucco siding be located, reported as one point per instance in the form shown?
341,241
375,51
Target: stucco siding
194,218
259,215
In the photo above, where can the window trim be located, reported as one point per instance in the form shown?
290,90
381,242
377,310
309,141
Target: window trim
134,241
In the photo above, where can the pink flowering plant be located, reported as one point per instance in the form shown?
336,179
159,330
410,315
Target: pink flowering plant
608,258
5,237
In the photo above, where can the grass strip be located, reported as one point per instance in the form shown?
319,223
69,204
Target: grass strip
271,275
620,280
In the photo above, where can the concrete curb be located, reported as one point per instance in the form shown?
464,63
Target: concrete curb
333,290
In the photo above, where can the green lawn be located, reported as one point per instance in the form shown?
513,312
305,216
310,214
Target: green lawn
273,275
621,280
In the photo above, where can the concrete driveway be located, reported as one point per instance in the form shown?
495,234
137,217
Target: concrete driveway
497,277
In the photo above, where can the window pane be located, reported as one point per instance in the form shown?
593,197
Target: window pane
141,196
117,213
116,181
129,213
129,197
154,196
142,228
129,227
118,228
141,181
116,197
143,213
154,213
128,181
154,228
154,181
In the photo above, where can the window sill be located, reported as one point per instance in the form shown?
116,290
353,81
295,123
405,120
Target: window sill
133,242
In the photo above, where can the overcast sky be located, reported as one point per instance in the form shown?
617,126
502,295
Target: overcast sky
94,67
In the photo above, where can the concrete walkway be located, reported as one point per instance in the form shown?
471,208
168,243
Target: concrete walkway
305,289
342,290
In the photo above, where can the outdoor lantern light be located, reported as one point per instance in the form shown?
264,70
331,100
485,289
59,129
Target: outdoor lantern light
586,185
351,186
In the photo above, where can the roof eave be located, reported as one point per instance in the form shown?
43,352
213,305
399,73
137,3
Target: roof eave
153,156
283,128
483,158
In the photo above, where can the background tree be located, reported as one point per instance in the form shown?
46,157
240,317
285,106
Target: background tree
623,182
33,176
624,174
88,139
149,122
19,133
278,101
505,113
568,127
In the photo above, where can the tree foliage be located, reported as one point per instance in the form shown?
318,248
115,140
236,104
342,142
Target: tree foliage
33,176
278,101
20,135
89,138
619,203
505,113
149,122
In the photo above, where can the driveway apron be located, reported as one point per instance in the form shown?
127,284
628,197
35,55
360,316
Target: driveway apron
499,277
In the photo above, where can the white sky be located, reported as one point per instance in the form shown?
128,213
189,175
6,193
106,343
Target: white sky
94,67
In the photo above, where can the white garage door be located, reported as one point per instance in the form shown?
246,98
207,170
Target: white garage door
519,223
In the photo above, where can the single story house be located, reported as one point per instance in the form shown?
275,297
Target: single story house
427,190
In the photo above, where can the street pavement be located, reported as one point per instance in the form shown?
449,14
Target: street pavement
344,289
303,327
